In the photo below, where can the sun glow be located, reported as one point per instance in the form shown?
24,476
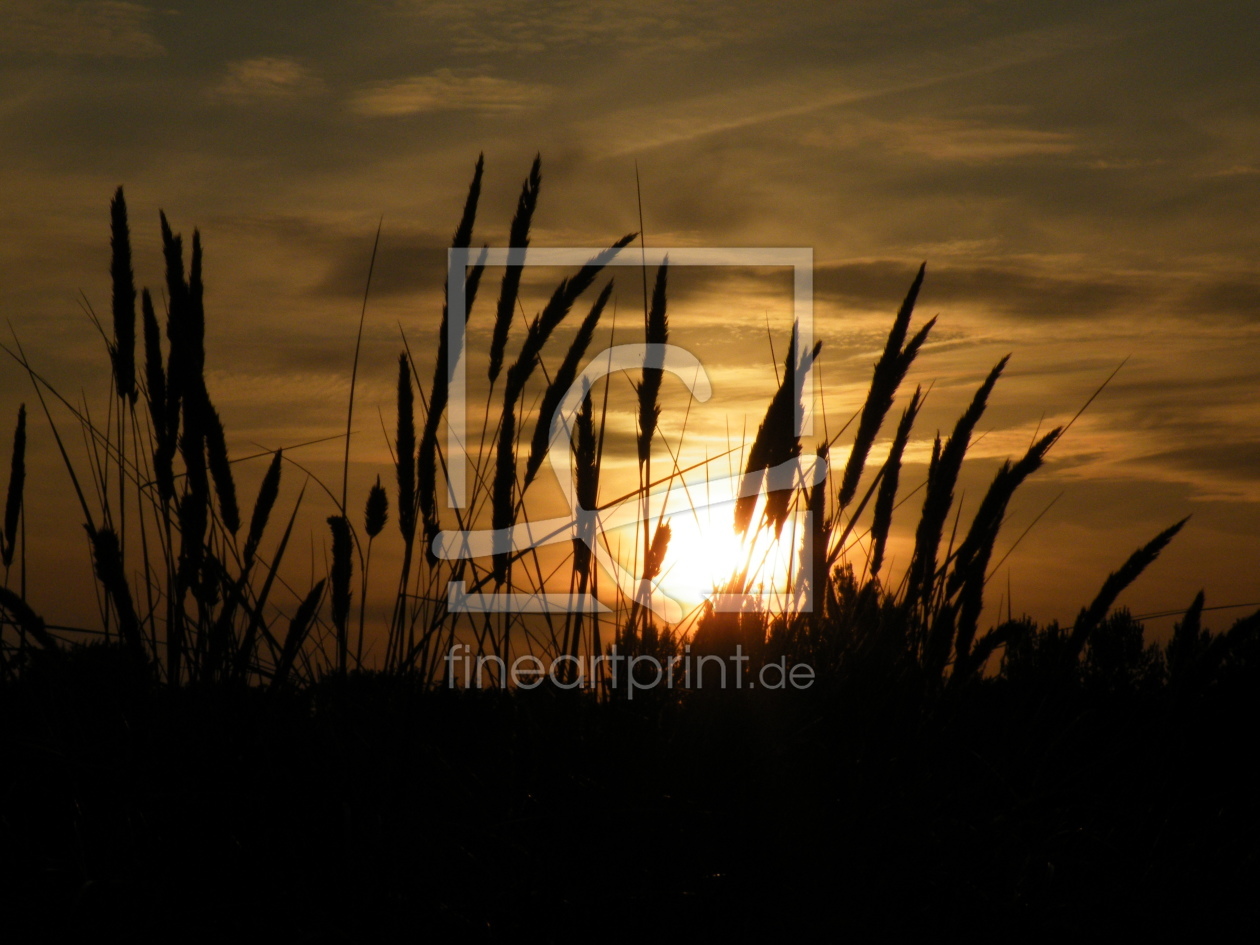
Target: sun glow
705,553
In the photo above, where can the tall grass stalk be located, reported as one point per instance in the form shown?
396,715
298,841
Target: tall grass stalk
1091,616
427,460
375,515
882,523
891,368
14,496
942,477
540,330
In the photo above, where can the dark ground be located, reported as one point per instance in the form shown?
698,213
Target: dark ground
364,810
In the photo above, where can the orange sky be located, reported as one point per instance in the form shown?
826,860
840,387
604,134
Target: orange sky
1081,180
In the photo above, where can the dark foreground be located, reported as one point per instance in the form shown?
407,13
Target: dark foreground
364,811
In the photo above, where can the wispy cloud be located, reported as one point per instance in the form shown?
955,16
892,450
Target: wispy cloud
498,27
970,141
447,90
1010,289
810,92
1236,170
264,79
103,28
406,264
1052,289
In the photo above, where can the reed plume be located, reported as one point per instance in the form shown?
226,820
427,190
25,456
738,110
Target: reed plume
178,357
1116,582
586,488
405,451
426,465
971,560
221,468
1188,642
776,442
988,517
463,232
540,329
268,491
154,374
408,502
656,332
375,515
558,306
176,293
653,561
890,370
155,392
656,552
881,523
655,335
759,453
943,475
376,510
518,241
561,381
193,504
123,348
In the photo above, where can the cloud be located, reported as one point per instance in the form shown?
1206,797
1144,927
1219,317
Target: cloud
446,90
1237,297
968,141
267,78
405,264
1238,460
805,87
104,28
1016,291
1236,170
499,27
1047,290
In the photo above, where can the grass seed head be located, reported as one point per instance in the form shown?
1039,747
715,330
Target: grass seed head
376,511
123,348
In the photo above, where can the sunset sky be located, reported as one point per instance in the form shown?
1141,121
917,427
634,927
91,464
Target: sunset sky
1082,179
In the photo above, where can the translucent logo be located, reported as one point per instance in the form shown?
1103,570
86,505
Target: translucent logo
586,525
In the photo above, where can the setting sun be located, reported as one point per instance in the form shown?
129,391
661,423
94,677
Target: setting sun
705,552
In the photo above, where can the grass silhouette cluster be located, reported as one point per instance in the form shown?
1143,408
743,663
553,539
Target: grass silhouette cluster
221,750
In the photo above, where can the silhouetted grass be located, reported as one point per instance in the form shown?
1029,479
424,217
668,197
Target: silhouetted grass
203,608
205,769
